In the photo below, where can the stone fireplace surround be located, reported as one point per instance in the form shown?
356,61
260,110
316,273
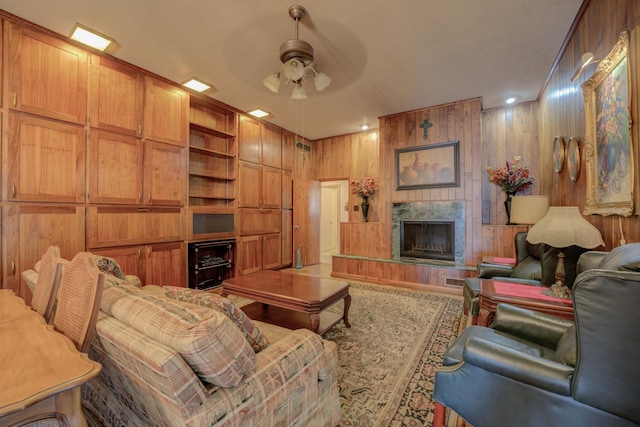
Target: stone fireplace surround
431,211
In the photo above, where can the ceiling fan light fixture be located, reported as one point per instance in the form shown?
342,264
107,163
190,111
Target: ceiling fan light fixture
321,80
272,82
297,58
299,92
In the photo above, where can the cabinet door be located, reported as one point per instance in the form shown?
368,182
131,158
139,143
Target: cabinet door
166,112
249,179
249,140
114,168
287,237
115,226
46,160
249,254
166,264
47,76
287,189
32,229
116,92
272,147
259,221
288,150
271,188
271,251
165,174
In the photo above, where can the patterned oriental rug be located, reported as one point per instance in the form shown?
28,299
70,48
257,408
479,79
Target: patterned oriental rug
388,357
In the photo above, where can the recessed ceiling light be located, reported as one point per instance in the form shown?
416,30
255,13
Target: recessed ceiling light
364,126
90,37
197,85
259,113
510,100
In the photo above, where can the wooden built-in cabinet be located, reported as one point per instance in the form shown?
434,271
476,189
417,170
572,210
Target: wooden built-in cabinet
288,150
29,230
287,237
115,168
155,264
45,160
100,155
212,155
47,76
271,146
259,252
166,112
117,93
261,196
112,226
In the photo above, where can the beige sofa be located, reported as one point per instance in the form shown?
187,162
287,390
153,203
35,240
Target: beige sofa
181,357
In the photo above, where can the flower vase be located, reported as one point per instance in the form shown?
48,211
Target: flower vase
507,206
365,208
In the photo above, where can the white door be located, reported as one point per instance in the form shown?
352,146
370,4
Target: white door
329,222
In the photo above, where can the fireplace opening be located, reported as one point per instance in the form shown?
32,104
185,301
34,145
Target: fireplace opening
427,239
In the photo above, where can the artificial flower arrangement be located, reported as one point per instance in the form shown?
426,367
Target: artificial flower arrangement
511,177
365,187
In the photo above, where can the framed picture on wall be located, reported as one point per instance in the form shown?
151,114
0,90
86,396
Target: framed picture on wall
573,158
558,153
609,158
428,166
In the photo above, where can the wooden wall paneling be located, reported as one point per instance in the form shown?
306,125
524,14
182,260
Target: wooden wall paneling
562,108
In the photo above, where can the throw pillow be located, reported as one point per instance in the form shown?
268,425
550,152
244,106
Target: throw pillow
109,266
207,340
254,337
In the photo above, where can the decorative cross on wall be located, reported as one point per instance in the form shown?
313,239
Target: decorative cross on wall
425,128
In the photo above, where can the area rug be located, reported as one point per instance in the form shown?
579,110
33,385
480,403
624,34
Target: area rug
387,359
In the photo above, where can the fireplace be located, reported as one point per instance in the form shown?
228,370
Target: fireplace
427,239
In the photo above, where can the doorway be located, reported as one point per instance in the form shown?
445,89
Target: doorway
334,209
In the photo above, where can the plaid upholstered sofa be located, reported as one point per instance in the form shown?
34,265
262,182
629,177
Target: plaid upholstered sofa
180,357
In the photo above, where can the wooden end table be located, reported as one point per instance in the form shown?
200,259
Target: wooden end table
494,292
41,373
291,300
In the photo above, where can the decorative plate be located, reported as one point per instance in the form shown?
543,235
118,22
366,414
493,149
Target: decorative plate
558,153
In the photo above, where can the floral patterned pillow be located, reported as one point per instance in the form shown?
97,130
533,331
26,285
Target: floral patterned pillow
110,266
254,337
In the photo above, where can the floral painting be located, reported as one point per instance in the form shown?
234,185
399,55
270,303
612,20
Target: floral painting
608,148
613,148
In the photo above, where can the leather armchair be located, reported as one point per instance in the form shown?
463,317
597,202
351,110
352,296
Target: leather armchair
527,270
533,369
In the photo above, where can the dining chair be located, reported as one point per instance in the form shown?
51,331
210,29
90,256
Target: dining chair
44,295
79,300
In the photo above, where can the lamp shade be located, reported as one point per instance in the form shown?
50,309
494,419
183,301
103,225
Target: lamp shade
299,92
528,209
272,82
564,226
321,81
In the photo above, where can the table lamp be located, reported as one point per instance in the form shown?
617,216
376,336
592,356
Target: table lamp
528,209
562,227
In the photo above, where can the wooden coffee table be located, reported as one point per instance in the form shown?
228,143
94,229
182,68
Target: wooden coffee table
291,300
494,292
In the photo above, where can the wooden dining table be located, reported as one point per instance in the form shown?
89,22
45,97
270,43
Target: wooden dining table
41,371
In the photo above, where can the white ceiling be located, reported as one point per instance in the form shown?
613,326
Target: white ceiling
384,57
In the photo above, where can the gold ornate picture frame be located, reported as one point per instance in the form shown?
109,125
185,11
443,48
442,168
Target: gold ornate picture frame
608,148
